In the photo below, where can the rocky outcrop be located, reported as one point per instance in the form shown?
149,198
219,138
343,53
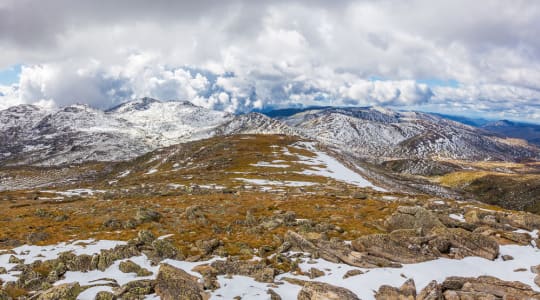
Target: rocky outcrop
417,235
336,252
456,288
67,291
486,287
175,284
259,270
413,217
406,292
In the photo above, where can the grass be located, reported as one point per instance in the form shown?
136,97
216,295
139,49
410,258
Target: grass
215,161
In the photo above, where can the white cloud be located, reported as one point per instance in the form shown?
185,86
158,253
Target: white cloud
242,55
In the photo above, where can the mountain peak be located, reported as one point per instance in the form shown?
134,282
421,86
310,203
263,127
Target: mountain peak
144,103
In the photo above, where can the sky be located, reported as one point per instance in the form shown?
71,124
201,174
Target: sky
461,57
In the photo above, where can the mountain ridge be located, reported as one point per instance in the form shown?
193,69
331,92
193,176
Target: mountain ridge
78,133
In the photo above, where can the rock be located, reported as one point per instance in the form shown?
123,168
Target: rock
273,294
35,237
256,269
3,270
67,291
408,246
4,295
146,237
537,280
145,215
207,247
314,273
507,257
403,246
14,260
163,249
289,218
359,195
406,292
465,243
265,250
352,273
113,224
313,290
336,252
519,238
176,284
103,295
286,246
209,275
525,221
265,275
107,257
418,218
431,292
486,287
535,269
131,267
135,289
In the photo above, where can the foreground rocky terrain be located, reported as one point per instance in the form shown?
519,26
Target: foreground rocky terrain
258,217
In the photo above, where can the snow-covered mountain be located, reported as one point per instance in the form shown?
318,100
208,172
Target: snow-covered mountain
79,133
255,123
382,134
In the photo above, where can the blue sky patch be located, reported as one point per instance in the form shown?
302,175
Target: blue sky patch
10,75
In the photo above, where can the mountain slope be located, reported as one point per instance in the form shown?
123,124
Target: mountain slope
526,131
382,134
79,133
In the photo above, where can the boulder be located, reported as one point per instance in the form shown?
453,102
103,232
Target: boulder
103,295
313,290
135,289
413,217
336,252
486,287
175,284
67,291
131,267
431,292
406,292
256,269
145,215
408,246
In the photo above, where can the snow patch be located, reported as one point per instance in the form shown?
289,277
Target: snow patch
332,168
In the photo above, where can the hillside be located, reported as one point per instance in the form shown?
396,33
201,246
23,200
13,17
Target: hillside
249,216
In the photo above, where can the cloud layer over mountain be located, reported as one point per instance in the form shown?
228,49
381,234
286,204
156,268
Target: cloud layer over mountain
450,56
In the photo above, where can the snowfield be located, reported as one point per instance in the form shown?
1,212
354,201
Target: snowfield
332,168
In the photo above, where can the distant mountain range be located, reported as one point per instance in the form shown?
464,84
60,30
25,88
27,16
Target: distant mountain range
79,133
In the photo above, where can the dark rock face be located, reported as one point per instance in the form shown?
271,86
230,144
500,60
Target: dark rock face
176,284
